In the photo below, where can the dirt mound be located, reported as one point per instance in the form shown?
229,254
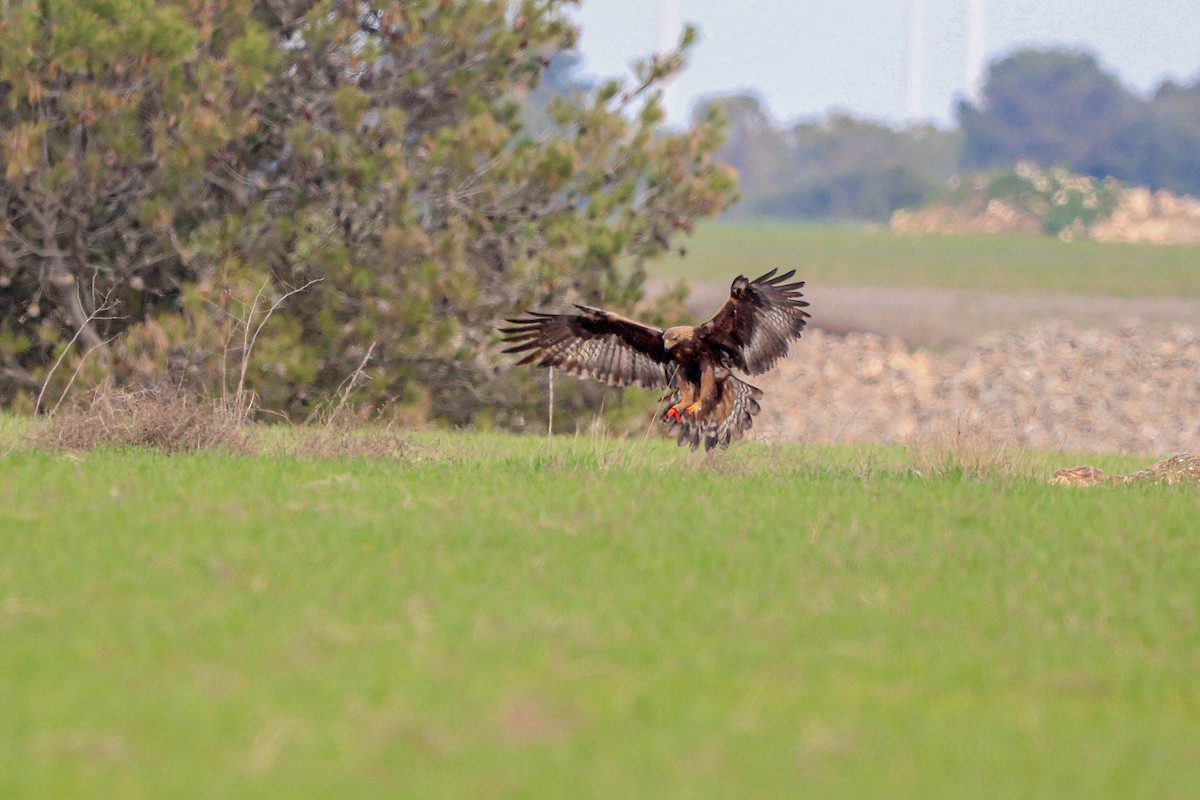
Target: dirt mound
1031,200
1050,387
1158,218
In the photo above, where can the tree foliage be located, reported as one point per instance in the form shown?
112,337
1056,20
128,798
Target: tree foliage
199,160
1167,141
858,169
1054,108
112,112
836,167
754,146
1061,108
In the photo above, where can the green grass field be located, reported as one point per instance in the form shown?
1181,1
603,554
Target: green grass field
842,255
500,617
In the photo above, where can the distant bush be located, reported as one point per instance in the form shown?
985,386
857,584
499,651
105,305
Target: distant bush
1061,203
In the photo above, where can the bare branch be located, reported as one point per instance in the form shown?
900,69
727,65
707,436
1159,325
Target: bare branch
351,383
105,307
249,341
75,374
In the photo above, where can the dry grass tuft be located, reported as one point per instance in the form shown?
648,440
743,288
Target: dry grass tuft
964,449
170,422
157,419
347,439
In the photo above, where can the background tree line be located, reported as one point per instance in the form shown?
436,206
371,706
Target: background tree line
275,197
1056,108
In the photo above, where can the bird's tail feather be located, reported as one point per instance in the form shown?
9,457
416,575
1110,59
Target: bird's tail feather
730,417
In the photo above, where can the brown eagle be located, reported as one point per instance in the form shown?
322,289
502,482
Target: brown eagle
750,333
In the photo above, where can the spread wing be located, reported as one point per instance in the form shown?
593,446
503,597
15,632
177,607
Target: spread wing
757,323
593,344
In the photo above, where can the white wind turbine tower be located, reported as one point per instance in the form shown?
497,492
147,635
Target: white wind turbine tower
915,77
976,49
976,61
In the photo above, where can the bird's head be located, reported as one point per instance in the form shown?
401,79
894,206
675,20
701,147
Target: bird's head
673,337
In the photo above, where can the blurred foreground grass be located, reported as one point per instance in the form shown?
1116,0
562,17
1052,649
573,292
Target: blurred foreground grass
491,616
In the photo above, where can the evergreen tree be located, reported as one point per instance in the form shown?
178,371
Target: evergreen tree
247,149
112,112
1055,108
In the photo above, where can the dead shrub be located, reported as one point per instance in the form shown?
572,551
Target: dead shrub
172,422
157,419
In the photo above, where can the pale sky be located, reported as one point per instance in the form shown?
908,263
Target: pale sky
808,57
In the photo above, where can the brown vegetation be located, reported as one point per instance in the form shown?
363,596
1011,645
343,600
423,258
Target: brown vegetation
155,419
1181,469
173,422
1033,201
960,448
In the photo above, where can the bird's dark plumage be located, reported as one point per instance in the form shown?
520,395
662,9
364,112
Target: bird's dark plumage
750,333
592,344
756,325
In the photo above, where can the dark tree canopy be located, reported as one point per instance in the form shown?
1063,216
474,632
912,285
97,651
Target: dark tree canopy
1061,108
1055,108
1167,143
195,162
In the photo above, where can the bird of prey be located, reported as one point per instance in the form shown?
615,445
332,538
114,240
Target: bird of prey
709,403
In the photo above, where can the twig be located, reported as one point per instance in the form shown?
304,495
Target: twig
75,374
95,315
248,341
350,383
658,409
550,416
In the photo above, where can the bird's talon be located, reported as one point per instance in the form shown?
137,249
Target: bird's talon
672,415
692,410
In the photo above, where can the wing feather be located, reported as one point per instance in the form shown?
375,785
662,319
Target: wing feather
592,344
758,322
